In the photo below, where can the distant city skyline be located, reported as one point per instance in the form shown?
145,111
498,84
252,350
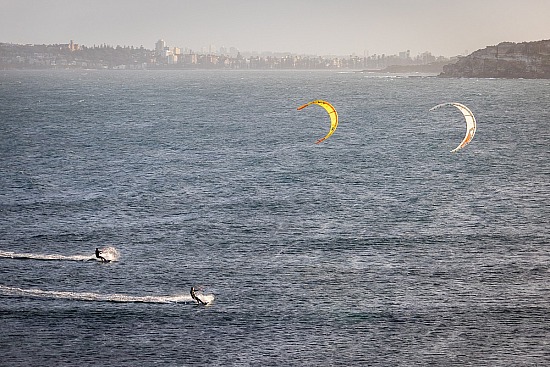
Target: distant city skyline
73,55
320,27
162,45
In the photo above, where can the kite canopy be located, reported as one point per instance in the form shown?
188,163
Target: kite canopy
470,123
331,112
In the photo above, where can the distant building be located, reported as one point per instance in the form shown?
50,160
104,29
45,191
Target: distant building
159,47
189,59
405,55
233,52
73,46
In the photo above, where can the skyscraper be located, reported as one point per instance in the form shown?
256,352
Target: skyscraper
159,47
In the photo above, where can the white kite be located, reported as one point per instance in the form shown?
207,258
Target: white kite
470,123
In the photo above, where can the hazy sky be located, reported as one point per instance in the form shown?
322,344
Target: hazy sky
321,27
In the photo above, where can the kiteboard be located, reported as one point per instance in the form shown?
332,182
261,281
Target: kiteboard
200,302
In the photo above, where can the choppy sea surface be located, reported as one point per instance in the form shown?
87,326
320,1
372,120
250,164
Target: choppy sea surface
377,247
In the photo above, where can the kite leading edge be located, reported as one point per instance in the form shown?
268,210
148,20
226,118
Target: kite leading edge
331,112
470,123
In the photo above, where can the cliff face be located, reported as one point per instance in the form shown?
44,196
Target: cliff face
530,60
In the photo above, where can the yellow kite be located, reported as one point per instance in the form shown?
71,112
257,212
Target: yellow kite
331,112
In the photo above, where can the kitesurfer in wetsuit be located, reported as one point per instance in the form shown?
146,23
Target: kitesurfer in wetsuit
194,296
97,254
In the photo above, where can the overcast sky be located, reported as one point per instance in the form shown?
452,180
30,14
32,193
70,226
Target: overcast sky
321,27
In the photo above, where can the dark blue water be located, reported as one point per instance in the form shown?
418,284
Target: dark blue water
377,247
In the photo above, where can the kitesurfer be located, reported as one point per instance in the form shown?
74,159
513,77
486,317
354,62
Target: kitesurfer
97,254
197,299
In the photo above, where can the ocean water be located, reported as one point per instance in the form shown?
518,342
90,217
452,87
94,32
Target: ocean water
377,247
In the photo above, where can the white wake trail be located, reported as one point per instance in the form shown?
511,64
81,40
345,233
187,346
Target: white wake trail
95,297
109,253
26,255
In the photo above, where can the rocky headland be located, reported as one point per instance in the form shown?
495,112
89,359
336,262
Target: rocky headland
529,60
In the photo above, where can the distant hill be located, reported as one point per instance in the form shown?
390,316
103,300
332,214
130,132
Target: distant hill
530,60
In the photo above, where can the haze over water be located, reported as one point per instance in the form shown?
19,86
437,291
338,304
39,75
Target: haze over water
377,247
320,27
